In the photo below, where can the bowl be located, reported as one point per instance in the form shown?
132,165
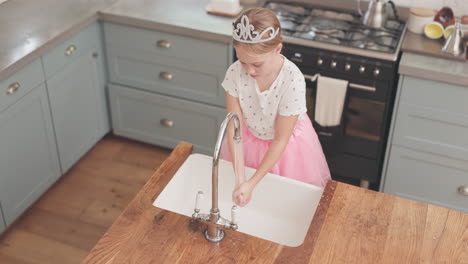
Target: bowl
419,18
434,30
448,30
464,20
445,17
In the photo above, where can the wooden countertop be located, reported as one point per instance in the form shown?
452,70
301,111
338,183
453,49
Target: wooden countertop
351,225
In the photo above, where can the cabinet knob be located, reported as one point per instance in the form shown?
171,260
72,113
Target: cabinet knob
13,88
164,44
166,76
319,61
463,190
376,72
347,67
362,69
70,50
166,122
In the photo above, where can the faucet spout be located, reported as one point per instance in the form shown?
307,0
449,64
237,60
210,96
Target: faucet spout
214,233
217,152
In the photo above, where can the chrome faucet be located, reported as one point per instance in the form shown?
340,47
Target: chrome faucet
215,222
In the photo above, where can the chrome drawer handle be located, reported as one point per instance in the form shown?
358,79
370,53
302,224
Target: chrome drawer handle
166,76
296,59
166,122
13,88
69,51
164,44
365,88
327,134
463,190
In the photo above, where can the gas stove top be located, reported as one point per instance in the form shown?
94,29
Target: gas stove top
338,31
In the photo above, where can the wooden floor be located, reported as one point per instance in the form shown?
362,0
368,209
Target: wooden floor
68,220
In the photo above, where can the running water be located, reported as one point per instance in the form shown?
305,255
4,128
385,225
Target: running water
239,167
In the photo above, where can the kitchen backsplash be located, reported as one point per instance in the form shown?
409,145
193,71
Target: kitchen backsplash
460,7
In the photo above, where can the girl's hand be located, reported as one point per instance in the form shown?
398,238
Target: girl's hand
242,193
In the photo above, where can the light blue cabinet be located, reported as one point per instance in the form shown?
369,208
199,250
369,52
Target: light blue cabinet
50,115
427,154
2,220
167,63
163,120
167,86
76,88
28,153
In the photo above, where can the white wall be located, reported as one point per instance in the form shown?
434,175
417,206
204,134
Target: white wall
459,7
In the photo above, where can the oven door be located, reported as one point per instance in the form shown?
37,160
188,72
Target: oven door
354,148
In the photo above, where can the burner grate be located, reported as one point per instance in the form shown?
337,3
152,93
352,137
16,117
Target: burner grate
331,26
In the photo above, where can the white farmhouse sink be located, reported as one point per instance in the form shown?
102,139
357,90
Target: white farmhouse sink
281,209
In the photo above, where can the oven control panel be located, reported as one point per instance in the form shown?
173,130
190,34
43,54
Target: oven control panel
340,63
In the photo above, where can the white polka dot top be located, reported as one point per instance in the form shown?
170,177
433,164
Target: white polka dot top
286,97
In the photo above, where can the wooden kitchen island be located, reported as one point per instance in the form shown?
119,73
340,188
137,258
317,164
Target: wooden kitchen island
351,225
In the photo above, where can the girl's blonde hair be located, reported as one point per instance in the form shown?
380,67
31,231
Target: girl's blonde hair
260,18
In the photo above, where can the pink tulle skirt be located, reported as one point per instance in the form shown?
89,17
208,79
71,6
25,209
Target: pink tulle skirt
302,160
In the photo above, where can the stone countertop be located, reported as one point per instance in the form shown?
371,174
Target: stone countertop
433,68
351,225
186,17
28,33
29,29
419,44
423,58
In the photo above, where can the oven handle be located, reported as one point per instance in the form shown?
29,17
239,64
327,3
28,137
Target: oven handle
366,88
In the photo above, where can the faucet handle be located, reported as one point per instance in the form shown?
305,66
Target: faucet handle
234,215
197,201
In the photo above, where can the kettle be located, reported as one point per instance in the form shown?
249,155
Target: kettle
376,14
454,44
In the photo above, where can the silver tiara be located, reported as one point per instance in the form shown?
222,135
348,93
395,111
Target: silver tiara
244,32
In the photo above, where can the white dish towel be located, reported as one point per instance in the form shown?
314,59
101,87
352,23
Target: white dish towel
330,99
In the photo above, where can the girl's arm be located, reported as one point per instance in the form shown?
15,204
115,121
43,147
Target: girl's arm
232,105
284,127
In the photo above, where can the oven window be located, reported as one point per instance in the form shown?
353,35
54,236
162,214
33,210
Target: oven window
363,117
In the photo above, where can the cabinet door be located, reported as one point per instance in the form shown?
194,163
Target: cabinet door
427,177
28,153
163,120
77,98
2,222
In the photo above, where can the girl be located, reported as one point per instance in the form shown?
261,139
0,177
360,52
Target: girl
267,91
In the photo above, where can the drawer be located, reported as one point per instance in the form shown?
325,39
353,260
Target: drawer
163,120
20,83
167,75
166,44
443,96
431,130
427,178
76,46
